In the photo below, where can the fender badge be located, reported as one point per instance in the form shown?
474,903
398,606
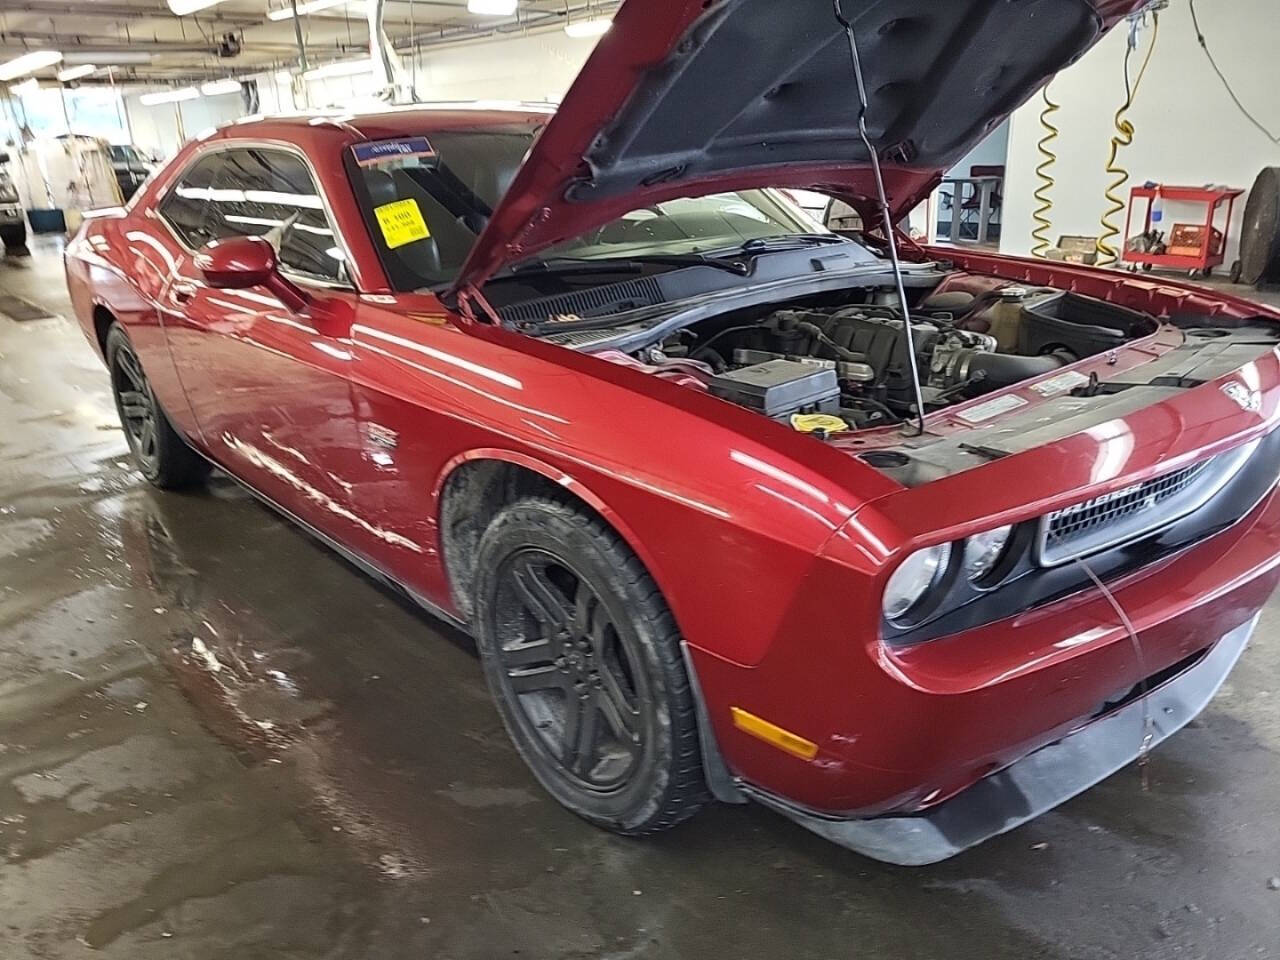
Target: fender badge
1246,399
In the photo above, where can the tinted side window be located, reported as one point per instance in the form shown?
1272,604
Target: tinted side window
270,193
187,202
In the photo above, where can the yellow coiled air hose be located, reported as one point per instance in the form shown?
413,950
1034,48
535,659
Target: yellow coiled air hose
1041,213
1107,254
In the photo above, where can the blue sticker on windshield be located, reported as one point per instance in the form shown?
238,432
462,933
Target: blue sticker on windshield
382,151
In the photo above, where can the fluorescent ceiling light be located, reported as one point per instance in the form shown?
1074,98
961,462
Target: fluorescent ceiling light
492,8
103,59
343,68
311,6
75,73
216,88
29,63
30,85
168,96
588,28
181,8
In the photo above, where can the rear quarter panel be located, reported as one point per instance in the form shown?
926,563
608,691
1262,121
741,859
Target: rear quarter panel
117,267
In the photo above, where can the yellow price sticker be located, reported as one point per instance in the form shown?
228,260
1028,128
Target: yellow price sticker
401,222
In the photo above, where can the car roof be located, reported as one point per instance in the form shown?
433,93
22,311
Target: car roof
325,126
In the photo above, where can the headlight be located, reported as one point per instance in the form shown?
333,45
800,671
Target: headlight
982,550
912,580
8,193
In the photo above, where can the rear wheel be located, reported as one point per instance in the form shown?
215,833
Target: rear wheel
14,238
584,661
163,457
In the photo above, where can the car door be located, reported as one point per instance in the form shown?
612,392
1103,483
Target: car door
267,385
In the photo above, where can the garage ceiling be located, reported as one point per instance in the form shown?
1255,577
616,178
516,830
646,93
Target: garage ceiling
236,37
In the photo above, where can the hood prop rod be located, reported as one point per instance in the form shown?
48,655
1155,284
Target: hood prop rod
885,215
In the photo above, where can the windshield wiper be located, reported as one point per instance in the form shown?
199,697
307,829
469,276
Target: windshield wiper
583,266
789,241
562,267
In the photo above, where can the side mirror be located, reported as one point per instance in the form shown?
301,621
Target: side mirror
841,218
4,157
236,263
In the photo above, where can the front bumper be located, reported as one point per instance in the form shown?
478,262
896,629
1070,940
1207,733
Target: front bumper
1038,782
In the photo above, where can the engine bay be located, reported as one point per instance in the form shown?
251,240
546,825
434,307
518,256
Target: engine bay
848,357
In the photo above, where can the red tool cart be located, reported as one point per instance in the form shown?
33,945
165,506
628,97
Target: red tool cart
1194,247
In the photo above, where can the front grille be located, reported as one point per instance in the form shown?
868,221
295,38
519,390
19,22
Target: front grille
1073,522
1134,511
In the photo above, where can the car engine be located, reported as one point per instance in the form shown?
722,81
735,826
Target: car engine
852,361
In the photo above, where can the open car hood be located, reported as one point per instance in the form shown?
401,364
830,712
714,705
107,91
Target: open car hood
687,97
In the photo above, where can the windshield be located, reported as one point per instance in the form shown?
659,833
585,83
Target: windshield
425,200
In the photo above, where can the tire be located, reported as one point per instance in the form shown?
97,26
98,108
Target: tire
1236,269
163,457
14,238
584,661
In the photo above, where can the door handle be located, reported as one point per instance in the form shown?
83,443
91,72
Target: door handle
183,291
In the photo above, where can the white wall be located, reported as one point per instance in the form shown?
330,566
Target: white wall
991,150
156,127
538,67
1187,129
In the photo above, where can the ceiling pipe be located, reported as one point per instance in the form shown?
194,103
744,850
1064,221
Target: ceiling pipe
119,11
390,78
20,39
297,33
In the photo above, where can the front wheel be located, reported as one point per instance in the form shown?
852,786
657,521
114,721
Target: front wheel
584,660
163,457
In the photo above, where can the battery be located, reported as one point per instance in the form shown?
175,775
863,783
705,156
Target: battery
779,388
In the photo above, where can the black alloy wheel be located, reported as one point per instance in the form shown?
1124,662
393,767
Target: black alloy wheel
136,406
587,668
162,455
576,680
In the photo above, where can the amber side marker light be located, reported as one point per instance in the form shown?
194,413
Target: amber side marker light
773,734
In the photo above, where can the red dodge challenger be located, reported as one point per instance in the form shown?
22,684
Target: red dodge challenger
909,544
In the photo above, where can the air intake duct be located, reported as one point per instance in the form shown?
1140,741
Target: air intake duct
983,371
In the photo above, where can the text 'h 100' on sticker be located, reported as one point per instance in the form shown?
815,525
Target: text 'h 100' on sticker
401,222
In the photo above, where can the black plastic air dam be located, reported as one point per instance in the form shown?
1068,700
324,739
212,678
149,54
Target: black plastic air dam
1039,781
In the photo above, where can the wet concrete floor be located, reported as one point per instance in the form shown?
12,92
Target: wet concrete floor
322,775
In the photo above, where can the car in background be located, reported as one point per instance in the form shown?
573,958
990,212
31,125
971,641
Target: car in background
131,167
734,506
13,221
